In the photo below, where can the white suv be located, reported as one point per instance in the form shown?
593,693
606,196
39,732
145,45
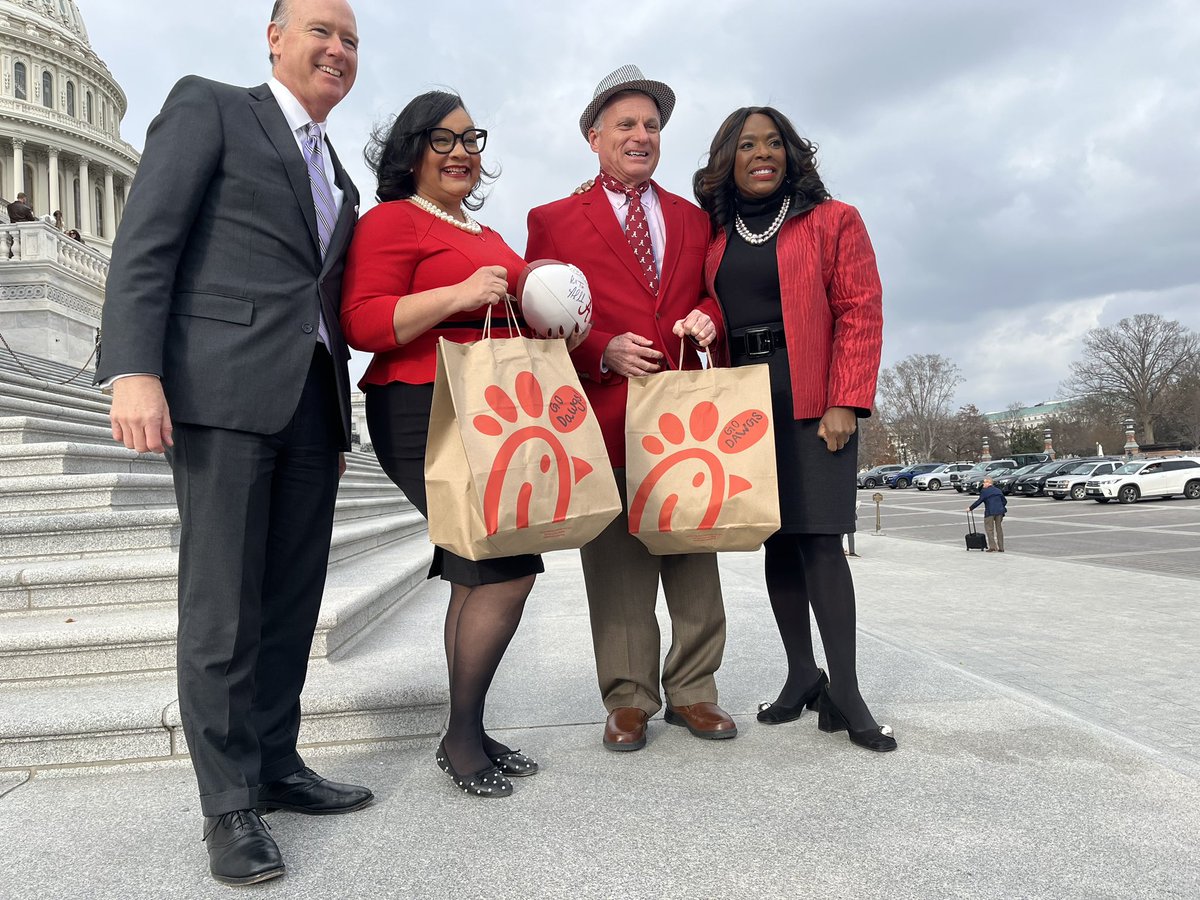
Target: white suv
933,481
1073,484
1148,478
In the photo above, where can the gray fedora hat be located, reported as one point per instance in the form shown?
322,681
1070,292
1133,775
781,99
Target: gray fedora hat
627,78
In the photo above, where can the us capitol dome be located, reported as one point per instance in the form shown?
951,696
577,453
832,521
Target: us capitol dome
60,145
60,120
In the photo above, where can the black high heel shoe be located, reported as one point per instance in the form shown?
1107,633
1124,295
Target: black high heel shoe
514,764
484,783
777,713
830,719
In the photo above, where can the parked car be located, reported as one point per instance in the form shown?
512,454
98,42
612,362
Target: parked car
1029,459
874,477
956,478
1033,484
1148,478
905,476
1073,483
974,484
933,481
1005,481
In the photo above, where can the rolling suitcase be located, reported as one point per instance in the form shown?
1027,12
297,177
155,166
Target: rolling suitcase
976,540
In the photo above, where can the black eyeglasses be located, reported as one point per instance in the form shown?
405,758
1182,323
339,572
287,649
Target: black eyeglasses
442,140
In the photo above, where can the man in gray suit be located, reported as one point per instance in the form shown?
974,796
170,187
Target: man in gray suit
222,346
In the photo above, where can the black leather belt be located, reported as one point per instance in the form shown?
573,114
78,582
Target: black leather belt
757,341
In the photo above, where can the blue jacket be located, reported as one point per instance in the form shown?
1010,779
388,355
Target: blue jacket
993,500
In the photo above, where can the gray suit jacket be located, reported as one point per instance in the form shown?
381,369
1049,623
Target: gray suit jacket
216,274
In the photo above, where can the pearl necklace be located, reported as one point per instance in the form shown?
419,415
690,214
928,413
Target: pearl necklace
750,237
470,225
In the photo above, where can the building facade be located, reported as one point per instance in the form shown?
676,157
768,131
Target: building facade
60,120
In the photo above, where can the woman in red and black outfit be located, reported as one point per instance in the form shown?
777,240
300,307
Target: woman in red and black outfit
421,268
795,275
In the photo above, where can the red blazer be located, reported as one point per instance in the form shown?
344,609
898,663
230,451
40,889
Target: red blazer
400,250
832,307
582,229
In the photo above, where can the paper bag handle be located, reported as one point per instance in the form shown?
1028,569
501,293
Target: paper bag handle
514,330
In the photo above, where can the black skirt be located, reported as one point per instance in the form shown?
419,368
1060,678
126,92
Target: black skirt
817,489
398,418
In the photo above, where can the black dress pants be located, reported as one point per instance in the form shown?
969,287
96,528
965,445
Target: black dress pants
257,517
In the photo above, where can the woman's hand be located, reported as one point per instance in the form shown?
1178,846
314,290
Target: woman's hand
584,188
576,337
838,423
487,287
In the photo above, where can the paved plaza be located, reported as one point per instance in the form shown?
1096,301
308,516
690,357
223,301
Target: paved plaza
1046,712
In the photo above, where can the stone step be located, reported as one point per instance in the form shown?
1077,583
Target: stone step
81,534
71,458
46,644
47,407
36,430
37,494
149,577
12,381
92,403
391,686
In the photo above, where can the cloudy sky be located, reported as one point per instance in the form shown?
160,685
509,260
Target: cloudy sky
1027,170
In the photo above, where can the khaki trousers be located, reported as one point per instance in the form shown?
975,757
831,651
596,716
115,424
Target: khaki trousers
622,578
994,527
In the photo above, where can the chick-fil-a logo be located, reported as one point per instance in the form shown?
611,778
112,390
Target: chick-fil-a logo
740,433
564,411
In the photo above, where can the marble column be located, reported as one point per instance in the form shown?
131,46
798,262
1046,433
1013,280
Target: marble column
85,196
18,168
110,206
55,200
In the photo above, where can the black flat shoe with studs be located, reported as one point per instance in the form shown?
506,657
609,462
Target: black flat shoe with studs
487,782
514,764
777,713
830,719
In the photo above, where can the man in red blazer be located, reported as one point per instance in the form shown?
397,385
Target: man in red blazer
642,250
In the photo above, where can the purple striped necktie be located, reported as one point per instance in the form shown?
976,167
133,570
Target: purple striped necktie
322,195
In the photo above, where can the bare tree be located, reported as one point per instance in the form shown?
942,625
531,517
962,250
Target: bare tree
965,434
874,444
1137,361
916,394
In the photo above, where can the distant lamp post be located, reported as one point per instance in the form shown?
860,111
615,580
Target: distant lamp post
1131,444
1048,442
986,456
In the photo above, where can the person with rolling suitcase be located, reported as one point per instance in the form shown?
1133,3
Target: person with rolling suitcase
995,505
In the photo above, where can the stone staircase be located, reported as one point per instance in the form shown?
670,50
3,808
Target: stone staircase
89,536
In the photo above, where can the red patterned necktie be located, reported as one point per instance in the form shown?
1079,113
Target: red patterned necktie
637,232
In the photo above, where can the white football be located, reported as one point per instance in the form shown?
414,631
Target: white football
555,299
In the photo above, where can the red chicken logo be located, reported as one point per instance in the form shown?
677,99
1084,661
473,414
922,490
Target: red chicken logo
565,411
739,433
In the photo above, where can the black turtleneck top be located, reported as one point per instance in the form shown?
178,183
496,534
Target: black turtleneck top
748,280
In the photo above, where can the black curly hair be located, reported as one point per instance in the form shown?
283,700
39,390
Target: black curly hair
395,149
713,183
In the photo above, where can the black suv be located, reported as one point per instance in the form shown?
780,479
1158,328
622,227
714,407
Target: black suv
1034,484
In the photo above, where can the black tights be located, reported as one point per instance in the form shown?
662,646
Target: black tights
810,570
480,623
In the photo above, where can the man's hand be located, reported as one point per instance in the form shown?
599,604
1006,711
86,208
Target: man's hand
341,465
698,326
838,423
139,415
631,355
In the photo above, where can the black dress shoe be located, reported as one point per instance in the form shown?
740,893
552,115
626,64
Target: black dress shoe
487,782
307,792
830,719
777,713
514,764
240,848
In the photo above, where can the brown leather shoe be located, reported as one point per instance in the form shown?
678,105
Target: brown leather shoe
704,720
626,728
